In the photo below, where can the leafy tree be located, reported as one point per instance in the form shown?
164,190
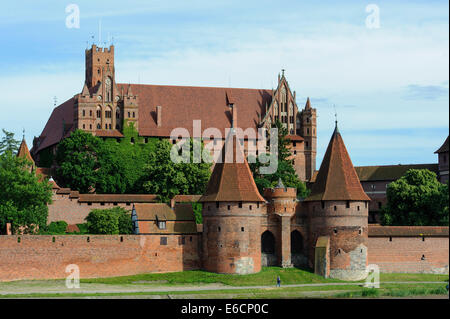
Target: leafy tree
416,199
197,208
23,199
8,143
77,157
109,221
167,178
285,169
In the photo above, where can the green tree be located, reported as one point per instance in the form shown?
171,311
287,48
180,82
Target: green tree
285,169
8,143
167,178
416,199
23,198
77,157
109,221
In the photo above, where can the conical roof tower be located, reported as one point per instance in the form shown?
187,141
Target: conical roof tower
337,178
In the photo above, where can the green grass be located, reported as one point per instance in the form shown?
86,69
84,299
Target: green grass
267,276
394,292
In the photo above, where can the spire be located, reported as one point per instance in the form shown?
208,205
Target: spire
308,104
280,183
337,178
231,179
85,91
24,152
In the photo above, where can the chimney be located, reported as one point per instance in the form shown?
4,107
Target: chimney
172,202
234,115
158,115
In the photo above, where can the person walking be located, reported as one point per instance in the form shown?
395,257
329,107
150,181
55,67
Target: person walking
278,281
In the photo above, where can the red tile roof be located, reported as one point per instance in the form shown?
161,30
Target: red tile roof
108,133
295,138
53,130
183,104
118,198
444,147
186,198
408,231
337,178
389,172
23,152
231,180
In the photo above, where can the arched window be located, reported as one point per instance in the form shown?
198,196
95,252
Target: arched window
99,112
108,113
296,242
98,126
108,89
267,243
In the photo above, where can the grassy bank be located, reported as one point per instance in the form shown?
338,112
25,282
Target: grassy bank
267,276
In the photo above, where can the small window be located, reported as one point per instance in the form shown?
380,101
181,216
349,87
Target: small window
121,239
390,238
242,228
335,231
229,207
102,204
347,204
257,205
250,207
134,115
217,204
240,204
84,113
335,208
88,239
128,204
84,126
89,204
190,238
219,229
115,204
53,239
163,241
357,207
379,205
423,257
162,224
181,241
323,205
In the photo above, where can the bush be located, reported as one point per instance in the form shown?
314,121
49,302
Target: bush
58,227
109,221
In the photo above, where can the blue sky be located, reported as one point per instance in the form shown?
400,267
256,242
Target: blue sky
390,84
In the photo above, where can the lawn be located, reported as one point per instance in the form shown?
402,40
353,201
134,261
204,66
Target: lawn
266,277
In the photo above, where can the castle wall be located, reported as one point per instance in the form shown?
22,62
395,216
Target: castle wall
39,257
404,254
72,211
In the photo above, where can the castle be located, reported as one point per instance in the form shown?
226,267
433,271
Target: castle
242,229
105,108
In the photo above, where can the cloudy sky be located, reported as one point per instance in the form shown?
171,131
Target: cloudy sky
390,85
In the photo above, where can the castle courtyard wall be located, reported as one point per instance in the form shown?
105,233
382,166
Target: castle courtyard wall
46,256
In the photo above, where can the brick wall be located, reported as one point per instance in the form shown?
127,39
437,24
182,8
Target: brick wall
39,257
404,254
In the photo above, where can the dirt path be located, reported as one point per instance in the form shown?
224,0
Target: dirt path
48,287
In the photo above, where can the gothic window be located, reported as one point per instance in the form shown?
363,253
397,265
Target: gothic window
108,113
108,89
98,127
99,112
84,113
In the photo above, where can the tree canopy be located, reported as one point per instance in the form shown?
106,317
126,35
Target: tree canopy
109,166
8,143
23,198
285,169
111,221
416,199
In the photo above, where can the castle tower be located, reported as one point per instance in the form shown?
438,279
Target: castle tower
100,107
232,211
23,152
338,214
282,202
308,120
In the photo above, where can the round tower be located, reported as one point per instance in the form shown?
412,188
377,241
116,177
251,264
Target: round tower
338,215
282,203
232,212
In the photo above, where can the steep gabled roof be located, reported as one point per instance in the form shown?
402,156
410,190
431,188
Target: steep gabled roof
443,148
389,172
231,179
337,178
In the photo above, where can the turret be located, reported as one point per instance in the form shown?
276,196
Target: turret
308,130
338,214
232,211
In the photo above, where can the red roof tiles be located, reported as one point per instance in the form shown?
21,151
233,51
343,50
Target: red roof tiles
23,152
232,180
337,178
